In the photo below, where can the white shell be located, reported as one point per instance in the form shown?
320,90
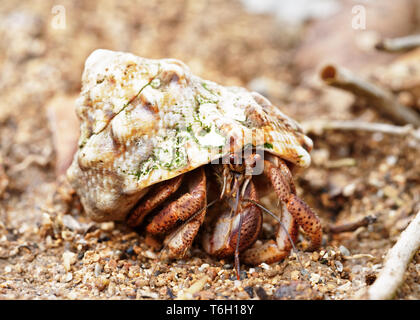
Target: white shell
144,121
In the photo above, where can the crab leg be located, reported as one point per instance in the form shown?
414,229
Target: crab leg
300,211
156,197
181,239
182,208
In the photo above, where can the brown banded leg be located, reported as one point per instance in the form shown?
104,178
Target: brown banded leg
182,208
153,199
284,170
300,211
273,251
306,218
182,238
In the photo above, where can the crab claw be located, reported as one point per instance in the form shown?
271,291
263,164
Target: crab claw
222,239
273,251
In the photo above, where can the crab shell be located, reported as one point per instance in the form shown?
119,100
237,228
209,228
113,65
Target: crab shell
144,121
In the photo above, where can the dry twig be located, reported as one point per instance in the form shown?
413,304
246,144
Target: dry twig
29,160
347,227
319,126
399,44
379,98
359,256
392,275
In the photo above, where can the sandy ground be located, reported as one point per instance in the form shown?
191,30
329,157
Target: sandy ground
50,250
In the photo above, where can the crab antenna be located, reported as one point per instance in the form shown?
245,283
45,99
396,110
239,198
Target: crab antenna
224,187
237,263
176,233
275,217
245,185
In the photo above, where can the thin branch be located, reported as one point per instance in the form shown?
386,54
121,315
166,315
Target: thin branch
399,44
351,226
319,126
379,98
396,262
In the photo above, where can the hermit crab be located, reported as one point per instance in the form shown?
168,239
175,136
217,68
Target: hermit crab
165,149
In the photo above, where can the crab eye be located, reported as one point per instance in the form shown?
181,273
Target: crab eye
235,163
233,159
252,161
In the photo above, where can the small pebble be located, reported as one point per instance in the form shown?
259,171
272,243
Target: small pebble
103,238
107,226
203,267
305,273
72,295
294,275
330,286
46,219
149,254
129,251
242,276
67,235
198,285
98,269
71,223
250,291
370,278
315,277
141,283
68,259
344,251
349,190
315,256
339,266
170,293
8,269
69,277
285,291
261,293
391,160
147,294
265,266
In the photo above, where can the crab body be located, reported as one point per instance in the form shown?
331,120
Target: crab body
159,143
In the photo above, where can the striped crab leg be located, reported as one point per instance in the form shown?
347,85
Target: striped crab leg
170,218
281,180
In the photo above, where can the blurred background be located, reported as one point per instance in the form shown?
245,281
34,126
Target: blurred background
274,47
